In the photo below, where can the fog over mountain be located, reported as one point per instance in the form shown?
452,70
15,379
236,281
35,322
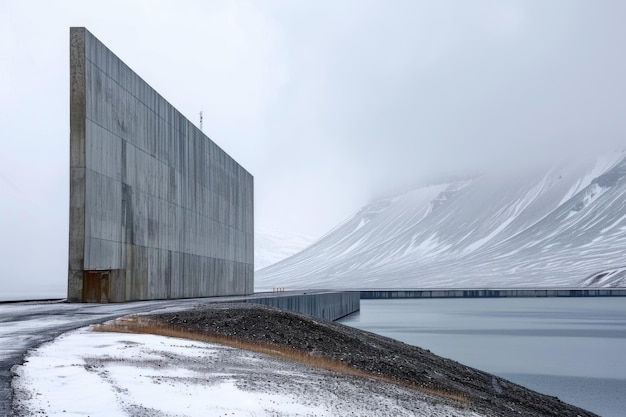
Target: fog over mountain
560,225
271,246
329,104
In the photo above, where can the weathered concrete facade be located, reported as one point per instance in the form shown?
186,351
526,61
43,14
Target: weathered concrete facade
157,210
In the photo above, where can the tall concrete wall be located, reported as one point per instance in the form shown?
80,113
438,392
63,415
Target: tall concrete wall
157,210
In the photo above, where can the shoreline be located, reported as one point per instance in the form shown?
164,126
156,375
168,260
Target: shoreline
337,347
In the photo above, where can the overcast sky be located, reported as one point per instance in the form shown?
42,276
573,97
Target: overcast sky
327,103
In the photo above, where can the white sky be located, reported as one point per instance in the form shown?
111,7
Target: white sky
327,103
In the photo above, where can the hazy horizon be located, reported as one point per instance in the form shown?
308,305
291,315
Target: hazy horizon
328,104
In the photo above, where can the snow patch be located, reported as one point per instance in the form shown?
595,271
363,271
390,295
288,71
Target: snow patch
603,164
113,374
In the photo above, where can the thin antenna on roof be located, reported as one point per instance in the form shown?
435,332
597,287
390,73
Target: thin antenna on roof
200,121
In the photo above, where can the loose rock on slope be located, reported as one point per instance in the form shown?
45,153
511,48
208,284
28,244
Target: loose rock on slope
374,355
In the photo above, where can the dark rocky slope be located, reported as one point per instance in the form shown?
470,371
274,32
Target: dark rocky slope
372,354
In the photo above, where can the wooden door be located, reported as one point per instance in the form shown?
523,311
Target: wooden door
96,286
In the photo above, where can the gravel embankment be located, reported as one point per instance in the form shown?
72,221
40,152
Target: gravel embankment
372,354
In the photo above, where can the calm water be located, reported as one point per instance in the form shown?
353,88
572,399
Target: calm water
572,348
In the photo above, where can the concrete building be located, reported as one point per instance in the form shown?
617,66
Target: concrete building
157,210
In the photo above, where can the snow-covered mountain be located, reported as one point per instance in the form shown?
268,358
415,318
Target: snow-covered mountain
560,226
271,246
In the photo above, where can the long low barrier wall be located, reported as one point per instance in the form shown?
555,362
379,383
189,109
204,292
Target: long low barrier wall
493,293
333,305
325,305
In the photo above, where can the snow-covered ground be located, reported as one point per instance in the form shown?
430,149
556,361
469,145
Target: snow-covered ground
24,326
84,372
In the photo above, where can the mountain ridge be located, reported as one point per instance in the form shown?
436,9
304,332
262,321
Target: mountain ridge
554,226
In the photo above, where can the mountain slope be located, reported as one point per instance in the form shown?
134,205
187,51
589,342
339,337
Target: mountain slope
536,227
